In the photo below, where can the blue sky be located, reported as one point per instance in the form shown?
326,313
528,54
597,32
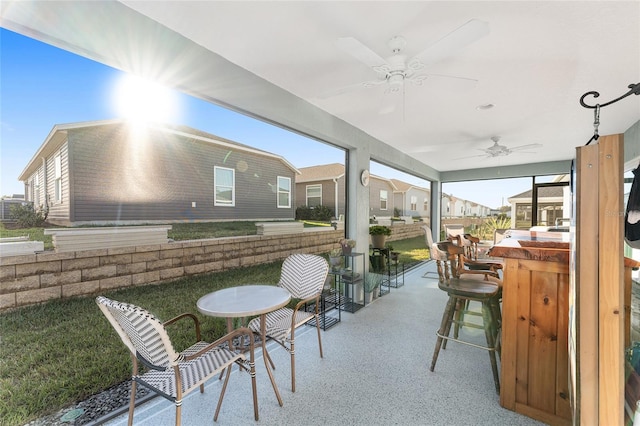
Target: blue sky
41,86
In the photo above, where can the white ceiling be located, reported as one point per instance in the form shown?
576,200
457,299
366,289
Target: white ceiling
537,60
535,63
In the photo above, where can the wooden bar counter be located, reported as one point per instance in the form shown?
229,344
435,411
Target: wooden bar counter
534,372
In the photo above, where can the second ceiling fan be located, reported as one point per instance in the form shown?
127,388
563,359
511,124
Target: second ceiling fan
497,150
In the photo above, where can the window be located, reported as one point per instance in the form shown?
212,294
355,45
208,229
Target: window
383,199
224,183
425,205
284,192
414,203
314,195
57,170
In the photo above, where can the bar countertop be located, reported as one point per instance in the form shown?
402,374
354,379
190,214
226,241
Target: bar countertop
549,251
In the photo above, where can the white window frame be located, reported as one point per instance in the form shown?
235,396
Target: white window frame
224,203
281,192
384,199
57,172
425,205
35,188
307,193
414,203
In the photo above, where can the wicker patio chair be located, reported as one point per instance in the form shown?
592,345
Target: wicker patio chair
302,275
169,373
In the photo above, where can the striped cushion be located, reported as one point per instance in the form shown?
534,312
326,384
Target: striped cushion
278,323
194,372
141,331
303,275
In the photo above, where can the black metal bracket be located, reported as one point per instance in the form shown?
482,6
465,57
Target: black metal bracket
634,89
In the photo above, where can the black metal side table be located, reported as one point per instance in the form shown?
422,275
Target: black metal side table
379,262
395,273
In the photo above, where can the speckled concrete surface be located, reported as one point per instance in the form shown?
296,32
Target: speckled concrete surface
375,371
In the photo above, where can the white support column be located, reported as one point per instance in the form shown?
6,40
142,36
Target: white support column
357,225
436,209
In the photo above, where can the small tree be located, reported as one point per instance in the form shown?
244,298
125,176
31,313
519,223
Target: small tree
27,216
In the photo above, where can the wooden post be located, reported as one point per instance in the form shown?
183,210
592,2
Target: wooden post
599,284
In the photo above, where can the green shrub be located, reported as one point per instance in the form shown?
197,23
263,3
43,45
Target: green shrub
379,230
490,225
303,213
320,213
27,216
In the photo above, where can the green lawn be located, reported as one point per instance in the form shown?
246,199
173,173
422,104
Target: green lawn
178,232
34,234
412,250
59,353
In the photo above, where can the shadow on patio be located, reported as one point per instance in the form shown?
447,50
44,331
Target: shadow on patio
375,370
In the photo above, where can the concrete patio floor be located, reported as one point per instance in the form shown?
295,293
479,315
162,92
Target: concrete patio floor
375,371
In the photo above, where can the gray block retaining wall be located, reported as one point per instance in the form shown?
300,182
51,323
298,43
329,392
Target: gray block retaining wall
36,278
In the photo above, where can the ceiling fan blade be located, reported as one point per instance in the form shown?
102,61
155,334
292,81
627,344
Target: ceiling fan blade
359,51
531,145
392,101
350,88
448,45
387,108
474,156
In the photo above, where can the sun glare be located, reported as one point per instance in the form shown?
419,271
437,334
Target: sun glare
141,100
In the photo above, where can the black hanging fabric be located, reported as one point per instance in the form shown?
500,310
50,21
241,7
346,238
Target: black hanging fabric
632,215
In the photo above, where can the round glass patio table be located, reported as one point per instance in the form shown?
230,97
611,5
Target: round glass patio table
245,301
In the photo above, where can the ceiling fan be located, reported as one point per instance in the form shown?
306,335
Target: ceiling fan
397,69
497,150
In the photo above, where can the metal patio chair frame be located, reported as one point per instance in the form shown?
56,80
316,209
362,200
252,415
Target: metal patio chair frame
173,374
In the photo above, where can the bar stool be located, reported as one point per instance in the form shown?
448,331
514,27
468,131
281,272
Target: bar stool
476,287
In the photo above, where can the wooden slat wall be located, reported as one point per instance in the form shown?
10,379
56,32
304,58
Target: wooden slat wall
562,401
599,283
586,407
534,373
510,392
611,277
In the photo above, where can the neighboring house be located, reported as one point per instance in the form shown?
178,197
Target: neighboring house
110,172
475,209
411,200
554,203
322,185
381,201
452,206
325,185
458,207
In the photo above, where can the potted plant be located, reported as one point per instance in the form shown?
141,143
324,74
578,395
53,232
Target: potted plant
372,283
347,245
379,234
335,259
